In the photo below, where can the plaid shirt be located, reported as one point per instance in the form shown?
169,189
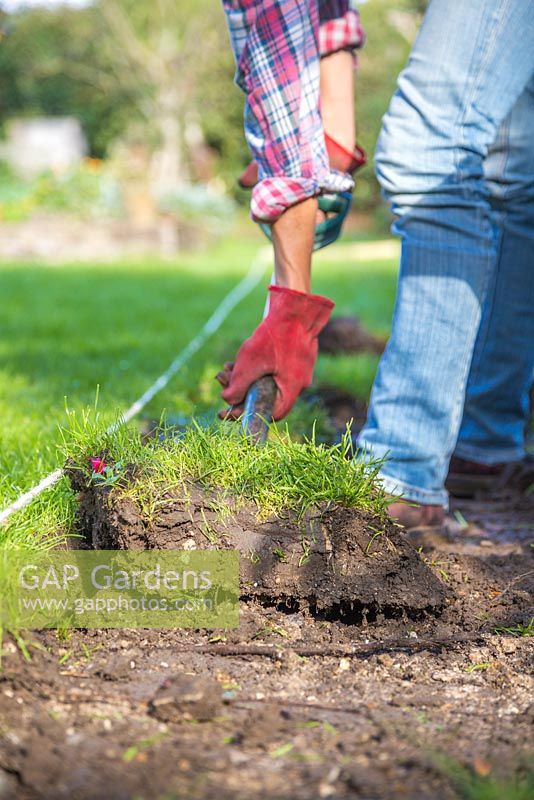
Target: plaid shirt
277,46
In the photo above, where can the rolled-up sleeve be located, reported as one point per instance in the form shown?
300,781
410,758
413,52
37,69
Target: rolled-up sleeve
277,46
340,27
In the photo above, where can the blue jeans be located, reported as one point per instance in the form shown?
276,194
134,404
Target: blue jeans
456,159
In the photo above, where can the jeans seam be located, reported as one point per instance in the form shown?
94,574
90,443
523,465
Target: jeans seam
456,416
489,300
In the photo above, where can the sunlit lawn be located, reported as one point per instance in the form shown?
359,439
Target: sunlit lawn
66,330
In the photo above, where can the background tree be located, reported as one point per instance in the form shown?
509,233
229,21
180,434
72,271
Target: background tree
165,68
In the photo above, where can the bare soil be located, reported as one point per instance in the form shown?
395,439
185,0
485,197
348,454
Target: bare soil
293,704
341,407
347,335
336,562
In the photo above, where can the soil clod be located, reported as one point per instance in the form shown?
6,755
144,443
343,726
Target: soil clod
339,563
347,335
186,698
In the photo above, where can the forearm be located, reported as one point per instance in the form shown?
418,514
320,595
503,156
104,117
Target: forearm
293,234
340,36
337,98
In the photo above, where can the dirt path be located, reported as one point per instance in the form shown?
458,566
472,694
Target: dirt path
380,710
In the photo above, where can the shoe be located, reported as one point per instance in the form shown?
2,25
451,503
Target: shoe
469,478
415,515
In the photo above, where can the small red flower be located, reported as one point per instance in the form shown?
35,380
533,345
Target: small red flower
98,465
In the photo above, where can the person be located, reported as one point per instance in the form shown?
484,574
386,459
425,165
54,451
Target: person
295,64
456,160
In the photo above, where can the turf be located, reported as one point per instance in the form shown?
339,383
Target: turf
67,330
283,475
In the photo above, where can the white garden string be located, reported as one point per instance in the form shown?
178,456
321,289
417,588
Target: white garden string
227,304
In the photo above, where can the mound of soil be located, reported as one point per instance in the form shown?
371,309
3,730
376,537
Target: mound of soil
338,562
347,335
342,408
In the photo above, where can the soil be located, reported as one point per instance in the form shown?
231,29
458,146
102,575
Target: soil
342,408
347,335
292,704
336,562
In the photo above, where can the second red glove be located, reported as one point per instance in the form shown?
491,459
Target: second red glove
284,345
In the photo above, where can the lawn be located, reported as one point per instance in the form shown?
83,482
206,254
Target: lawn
75,332
380,705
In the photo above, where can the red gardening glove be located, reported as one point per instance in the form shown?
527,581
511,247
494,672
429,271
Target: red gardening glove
284,345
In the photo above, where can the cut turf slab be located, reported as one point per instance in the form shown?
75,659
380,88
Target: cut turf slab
341,563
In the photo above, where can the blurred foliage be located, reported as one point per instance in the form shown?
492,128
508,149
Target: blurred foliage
196,203
88,189
50,61
114,65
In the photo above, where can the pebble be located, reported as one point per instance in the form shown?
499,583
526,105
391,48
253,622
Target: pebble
189,544
508,646
182,697
385,659
75,738
326,789
477,656
236,757
443,677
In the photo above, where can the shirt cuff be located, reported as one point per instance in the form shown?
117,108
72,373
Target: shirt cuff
272,196
342,33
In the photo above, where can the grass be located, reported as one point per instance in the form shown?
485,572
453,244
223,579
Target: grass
471,786
482,780
518,630
347,372
284,475
66,330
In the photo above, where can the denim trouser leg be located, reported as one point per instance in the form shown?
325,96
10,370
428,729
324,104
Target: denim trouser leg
497,403
469,67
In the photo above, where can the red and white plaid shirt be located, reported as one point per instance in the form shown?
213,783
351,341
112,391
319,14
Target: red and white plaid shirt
277,46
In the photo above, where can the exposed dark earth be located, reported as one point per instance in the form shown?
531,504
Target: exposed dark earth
336,562
348,335
302,700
